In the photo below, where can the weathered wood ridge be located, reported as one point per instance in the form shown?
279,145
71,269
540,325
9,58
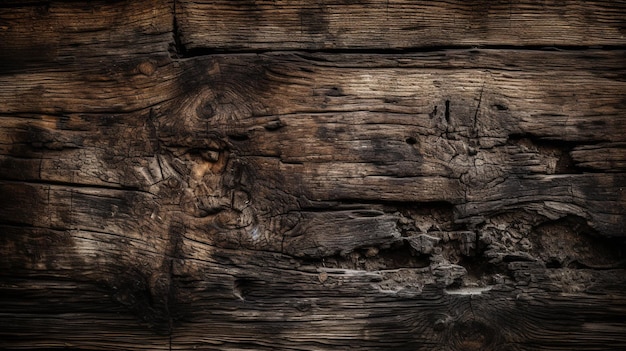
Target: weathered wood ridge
297,175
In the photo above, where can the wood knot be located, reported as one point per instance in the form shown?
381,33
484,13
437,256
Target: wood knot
205,110
147,68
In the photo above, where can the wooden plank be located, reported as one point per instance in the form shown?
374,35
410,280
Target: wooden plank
108,278
55,33
89,86
395,24
220,290
387,128
317,307
401,86
395,144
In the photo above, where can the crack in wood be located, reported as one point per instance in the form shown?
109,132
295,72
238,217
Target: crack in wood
177,48
232,51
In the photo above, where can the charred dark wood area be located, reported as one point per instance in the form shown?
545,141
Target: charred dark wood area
329,175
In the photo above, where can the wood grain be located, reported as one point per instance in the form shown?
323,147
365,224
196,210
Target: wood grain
411,135
172,177
396,24
53,34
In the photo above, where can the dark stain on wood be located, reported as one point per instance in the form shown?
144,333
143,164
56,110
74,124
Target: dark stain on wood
313,20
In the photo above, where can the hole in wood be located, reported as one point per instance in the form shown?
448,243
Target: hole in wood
242,288
397,255
238,137
273,125
570,242
553,263
335,91
411,140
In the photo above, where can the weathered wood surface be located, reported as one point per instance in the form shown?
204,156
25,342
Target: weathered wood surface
396,24
155,194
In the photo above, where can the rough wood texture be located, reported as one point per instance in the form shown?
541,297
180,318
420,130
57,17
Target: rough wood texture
396,24
157,194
